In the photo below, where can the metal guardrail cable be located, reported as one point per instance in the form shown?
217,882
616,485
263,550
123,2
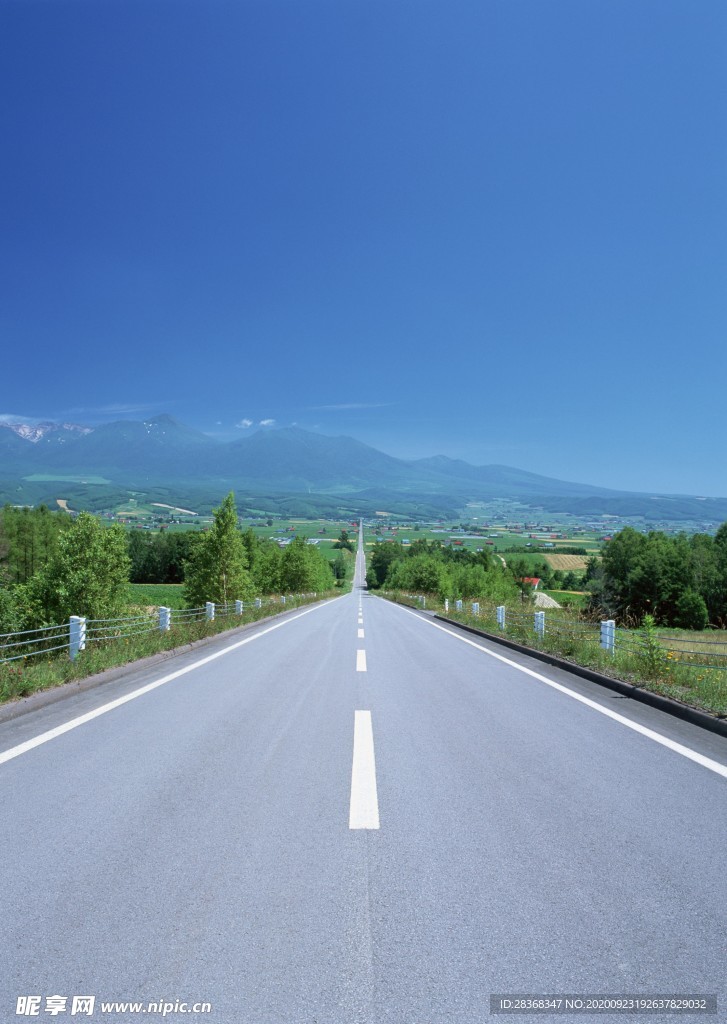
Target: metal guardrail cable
27,632
122,636
121,618
31,654
685,640
123,627
573,630
129,624
29,643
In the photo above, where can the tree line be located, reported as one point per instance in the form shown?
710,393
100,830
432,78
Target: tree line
432,568
53,566
679,580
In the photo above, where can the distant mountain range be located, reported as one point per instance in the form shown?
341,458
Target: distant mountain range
161,451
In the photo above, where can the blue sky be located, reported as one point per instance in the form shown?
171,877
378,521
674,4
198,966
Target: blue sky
495,229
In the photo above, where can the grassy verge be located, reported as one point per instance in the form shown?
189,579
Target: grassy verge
18,679
646,662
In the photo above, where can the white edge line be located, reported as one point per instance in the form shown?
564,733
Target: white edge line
364,806
51,734
678,748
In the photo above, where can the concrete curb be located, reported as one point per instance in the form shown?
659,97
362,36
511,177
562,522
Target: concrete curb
43,698
654,700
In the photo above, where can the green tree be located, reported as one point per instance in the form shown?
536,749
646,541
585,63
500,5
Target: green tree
372,580
266,568
304,568
217,568
87,575
294,572
28,538
383,556
344,541
10,615
691,611
339,569
421,572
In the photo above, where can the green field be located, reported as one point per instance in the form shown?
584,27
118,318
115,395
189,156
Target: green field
148,595
50,478
493,539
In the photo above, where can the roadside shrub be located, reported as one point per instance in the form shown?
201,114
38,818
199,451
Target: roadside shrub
652,654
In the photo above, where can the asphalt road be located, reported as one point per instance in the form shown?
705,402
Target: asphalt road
295,832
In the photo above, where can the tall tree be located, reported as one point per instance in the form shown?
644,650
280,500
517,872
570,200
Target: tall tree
87,575
217,568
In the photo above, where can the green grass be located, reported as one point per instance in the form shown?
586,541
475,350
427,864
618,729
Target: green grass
171,595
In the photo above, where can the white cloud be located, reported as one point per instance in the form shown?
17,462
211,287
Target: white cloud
10,417
244,424
116,409
267,423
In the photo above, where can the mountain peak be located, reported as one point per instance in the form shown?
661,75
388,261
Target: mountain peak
164,420
35,432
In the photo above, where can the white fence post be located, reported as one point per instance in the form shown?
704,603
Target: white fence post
500,611
446,604
540,624
239,607
258,602
77,635
209,610
165,619
475,607
282,599
458,606
608,635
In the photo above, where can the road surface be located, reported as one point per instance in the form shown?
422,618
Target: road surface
351,814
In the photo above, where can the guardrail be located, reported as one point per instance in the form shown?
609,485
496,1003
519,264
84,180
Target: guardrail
537,625
76,634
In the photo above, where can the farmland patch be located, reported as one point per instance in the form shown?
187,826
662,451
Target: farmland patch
567,562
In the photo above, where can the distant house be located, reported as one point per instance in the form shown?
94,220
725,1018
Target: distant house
534,581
